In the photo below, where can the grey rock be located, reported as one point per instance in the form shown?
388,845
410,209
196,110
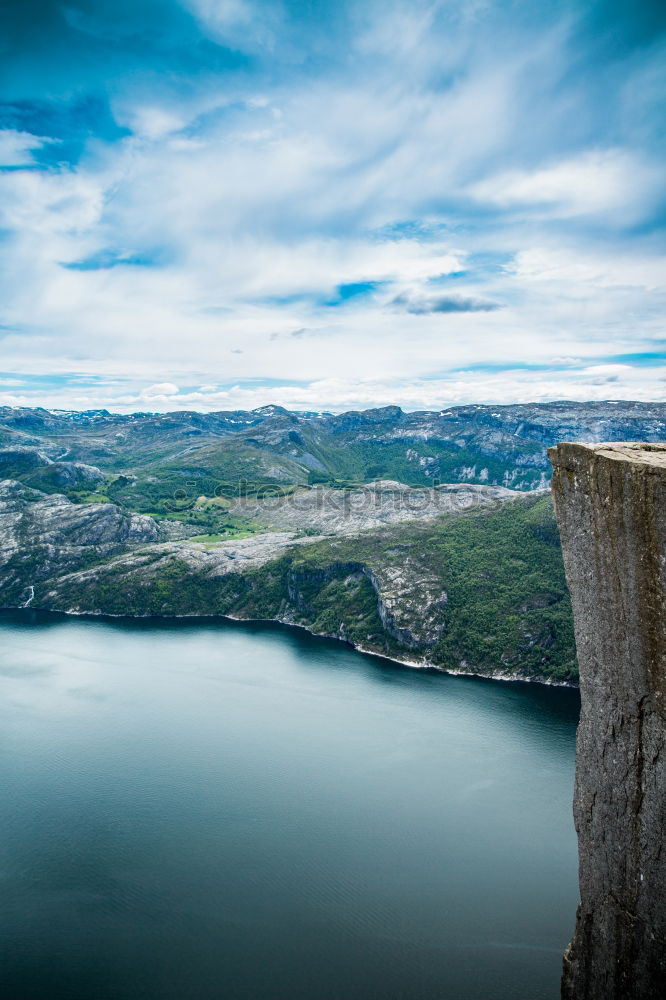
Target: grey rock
45,534
610,502
383,502
409,603
75,475
21,459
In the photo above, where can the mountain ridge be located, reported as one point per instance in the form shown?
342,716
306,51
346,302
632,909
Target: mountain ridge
502,445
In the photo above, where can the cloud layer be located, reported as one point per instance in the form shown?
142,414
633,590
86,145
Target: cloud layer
221,203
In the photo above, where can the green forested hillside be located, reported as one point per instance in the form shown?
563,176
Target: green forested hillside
482,591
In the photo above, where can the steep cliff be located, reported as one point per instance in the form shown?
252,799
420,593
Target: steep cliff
473,582
610,502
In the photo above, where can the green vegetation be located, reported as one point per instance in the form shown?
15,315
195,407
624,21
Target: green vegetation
508,605
481,591
495,579
230,533
88,496
155,463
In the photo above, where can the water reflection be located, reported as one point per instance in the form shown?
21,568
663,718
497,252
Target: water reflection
205,809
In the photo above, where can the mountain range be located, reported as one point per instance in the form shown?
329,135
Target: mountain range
488,445
425,537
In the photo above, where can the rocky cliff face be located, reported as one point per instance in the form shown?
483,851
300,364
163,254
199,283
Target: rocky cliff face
610,503
43,535
469,580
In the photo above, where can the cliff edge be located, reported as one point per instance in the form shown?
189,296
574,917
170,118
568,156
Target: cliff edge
610,503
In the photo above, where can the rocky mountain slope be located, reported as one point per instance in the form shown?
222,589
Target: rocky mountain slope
488,445
473,581
336,522
326,511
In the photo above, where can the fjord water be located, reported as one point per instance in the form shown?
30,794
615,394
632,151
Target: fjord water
214,810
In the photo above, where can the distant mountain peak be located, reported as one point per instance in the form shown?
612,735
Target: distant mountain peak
271,410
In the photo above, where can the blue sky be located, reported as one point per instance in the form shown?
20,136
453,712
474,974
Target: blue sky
214,204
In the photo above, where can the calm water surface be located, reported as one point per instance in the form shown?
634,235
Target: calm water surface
245,812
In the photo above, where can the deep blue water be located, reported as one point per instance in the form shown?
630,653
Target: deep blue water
211,810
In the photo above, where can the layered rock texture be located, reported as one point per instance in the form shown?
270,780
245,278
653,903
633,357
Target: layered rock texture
610,502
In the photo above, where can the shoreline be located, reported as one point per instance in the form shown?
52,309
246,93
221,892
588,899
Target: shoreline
499,675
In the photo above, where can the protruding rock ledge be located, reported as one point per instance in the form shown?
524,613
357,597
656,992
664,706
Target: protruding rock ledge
639,453
610,502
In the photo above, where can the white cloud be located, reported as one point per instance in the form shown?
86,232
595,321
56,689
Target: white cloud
596,382
16,147
239,23
407,162
154,122
601,267
160,389
592,183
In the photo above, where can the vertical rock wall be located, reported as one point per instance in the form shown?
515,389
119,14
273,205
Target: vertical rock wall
610,501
